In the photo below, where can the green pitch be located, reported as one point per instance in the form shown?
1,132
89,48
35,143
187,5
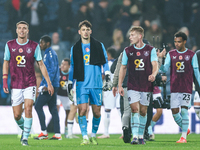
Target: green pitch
162,142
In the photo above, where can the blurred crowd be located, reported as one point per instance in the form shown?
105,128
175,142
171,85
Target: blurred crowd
111,21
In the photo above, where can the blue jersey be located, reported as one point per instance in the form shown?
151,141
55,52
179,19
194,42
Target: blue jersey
51,63
92,73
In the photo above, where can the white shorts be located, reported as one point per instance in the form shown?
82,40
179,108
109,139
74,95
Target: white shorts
180,99
136,96
110,101
19,95
65,102
157,95
196,97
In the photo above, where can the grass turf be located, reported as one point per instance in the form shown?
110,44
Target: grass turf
162,141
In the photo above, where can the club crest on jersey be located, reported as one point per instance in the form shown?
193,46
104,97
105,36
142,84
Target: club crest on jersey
87,49
146,53
64,77
138,54
20,50
187,57
180,57
28,50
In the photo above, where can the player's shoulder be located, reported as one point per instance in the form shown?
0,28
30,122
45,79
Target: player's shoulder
190,51
172,51
11,41
147,46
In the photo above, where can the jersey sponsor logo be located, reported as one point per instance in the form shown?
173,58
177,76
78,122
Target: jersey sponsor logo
64,77
174,57
187,57
180,66
63,85
87,59
13,49
139,64
21,61
146,53
20,50
28,50
138,54
180,57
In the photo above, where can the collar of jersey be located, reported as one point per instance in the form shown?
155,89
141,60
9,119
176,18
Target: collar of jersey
65,73
183,51
140,47
23,43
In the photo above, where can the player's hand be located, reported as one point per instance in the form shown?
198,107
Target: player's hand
161,54
164,78
70,90
121,90
108,84
5,85
114,90
151,78
50,89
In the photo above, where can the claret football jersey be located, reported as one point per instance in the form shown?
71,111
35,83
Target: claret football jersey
21,59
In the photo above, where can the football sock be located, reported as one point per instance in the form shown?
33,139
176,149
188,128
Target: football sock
185,122
106,122
70,124
95,126
135,124
178,119
143,120
83,124
27,127
150,130
119,112
66,130
20,123
197,111
153,123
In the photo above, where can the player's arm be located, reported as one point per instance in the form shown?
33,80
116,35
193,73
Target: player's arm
116,74
122,73
5,76
195,66
108,84
165,67
46,76
70,80
38,58
154,63
5,69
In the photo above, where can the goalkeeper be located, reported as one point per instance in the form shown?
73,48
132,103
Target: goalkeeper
87,57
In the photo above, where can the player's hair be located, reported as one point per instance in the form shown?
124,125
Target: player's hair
46,39
112,52
67,59
181,34
138,29
86,23
22,22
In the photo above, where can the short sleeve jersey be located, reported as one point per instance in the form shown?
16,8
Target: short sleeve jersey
22,58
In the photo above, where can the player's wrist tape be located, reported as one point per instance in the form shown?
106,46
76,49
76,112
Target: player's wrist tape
5,84
5,76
